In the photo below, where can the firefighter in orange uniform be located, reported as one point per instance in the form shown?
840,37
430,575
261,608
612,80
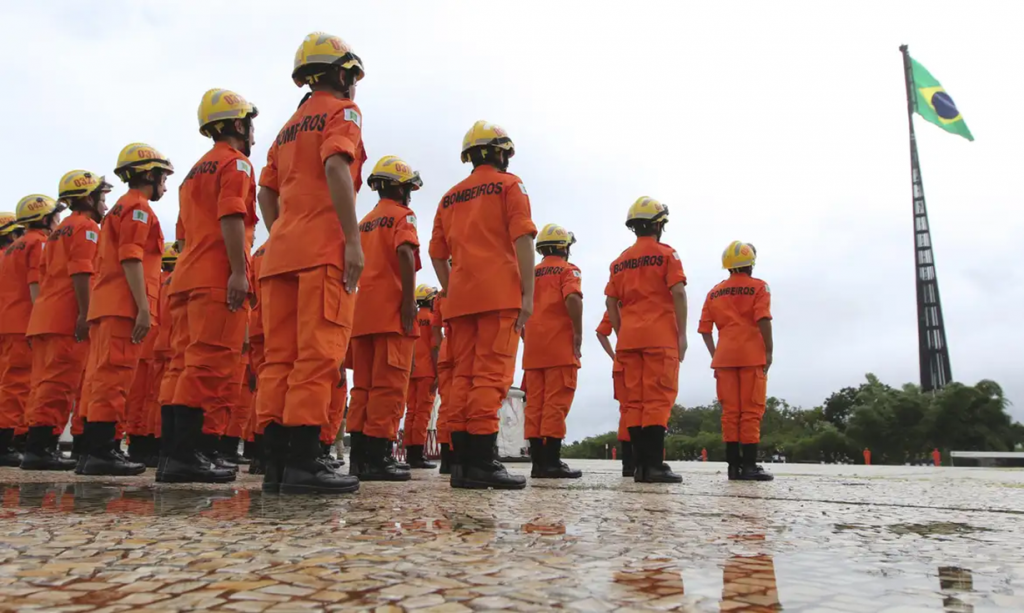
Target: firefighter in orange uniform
161,358
444,384
552,351
58,327
423,384
254,435
217,203
740,307
312,264
123,307
604,331
384,332
19,289
484,225
9,232
646,302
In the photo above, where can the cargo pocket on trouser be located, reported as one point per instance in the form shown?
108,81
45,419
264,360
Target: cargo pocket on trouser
338,308
504,348
759,391
220,327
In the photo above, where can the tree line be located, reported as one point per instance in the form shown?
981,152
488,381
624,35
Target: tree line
899,426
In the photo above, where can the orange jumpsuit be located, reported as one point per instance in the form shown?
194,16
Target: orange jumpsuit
158,365
135,404
618,385
130,231
444,375
307,313
381,351
255,342
20,267
338,398
550,364
421,386
58,360
476,224
647,342
220,185
735,306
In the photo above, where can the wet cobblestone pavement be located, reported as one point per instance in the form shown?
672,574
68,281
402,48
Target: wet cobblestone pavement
847,539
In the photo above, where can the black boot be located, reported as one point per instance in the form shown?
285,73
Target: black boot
105,456
537,457
749,470
248,451
391,459
414,454
628,467
483,470
8,455
18,442
275,455
458,458
325,455
211,448
732,458
446,466
228,447
84,445
167,427
356,458
657,471
186,463
377,466
256,466
636,437
306,473
137,449
554,467
42,451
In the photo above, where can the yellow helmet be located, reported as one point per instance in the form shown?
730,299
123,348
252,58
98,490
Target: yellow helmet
647,209
554,235
394,169
220,105
738,255
7,224
138,158
425,293
320,49
79,183
170,253
484,134
34,207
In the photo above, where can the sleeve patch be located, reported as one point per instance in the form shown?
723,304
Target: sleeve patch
243,166
411,218
576,274
353,116
675,254
139,215
767,289
92,236
522,188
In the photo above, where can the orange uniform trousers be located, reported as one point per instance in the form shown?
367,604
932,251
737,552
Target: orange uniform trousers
619,387
329,434
420,405
651,382
135,405
58,365
307,317
157,367
742,393
241,402
445,374
110,371
15,380
177,306
549,395
483,347
256,359
78,413
212,337
381,366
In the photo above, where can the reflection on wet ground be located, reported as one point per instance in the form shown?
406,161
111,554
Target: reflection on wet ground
906,540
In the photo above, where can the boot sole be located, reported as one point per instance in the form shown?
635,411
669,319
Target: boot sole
314,489
485,485
132,473
47,468
405,477
165,478
557,476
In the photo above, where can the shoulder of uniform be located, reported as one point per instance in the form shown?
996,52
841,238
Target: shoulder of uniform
509,175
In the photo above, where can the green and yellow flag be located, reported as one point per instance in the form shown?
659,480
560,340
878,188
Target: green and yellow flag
935,105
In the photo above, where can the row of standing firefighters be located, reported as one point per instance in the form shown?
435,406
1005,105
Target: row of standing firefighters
82,314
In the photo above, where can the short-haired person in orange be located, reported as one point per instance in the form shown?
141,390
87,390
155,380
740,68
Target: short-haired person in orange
58,327
311,266
384,333
445,367
552,351
124,305
423,384
646,302
741,308
217,207
484,225
604,332
19,289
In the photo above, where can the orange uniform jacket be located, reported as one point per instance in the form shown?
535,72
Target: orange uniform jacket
130,231
735,306
549,330
641,279
477,224
20,267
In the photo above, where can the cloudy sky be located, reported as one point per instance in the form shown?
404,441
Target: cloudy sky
782,124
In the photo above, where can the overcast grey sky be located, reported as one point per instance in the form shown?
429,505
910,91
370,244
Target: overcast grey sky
783,124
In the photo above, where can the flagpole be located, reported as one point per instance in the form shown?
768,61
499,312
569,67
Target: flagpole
933,352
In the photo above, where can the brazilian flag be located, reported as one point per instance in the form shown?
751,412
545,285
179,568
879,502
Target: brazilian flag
935,105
